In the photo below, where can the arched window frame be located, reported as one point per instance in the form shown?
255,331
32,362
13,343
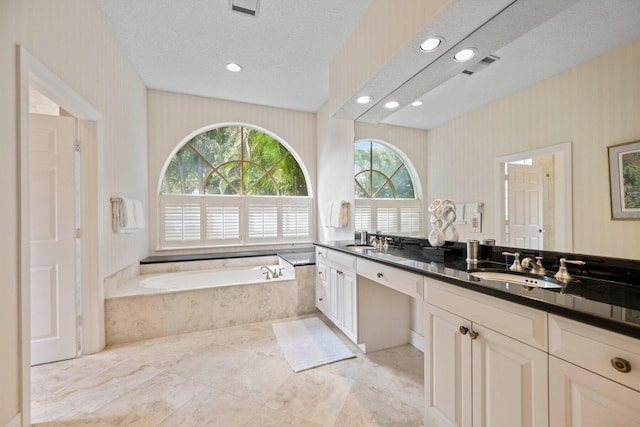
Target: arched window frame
390,215
206,220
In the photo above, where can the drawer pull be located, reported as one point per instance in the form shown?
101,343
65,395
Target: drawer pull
464,330
621,365
473,334
379,274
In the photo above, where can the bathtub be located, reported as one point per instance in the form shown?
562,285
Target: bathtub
169,303
188,280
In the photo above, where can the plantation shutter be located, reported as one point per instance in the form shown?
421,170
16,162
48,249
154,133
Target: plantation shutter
223,223
410,219
262,221
387,220
181,222
295,221
362,217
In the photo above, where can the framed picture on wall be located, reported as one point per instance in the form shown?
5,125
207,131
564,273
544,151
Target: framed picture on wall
624,179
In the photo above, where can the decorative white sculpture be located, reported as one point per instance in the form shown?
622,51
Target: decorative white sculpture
443,215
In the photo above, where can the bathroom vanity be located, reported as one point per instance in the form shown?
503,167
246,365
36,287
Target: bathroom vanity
496,353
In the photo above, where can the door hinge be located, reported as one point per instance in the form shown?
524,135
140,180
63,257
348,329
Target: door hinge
77,233
76,145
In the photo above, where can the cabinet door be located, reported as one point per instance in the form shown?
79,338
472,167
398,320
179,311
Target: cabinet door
509,381
335,277
447,369
580,398
349,305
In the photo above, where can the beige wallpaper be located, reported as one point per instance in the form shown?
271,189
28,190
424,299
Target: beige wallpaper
593,105
173,117
72,39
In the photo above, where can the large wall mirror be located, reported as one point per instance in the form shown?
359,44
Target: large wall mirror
523,130
533,199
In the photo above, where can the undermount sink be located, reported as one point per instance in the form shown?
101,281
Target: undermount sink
516,279
362,246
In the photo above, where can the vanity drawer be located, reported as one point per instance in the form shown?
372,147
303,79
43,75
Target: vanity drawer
522,323
336,257
394,278
595,349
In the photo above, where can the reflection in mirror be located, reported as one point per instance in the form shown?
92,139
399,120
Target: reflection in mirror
387,191
533,193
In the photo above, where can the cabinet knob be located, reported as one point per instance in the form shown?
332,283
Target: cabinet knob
320,299
379,274
464,330
621,365
473,334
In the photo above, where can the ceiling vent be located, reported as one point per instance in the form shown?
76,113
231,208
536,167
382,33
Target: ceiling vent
245,7
484,63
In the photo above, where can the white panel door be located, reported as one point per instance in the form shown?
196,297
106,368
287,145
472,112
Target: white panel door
52,225
525,207
509,382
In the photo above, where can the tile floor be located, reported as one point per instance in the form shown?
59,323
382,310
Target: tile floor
227,377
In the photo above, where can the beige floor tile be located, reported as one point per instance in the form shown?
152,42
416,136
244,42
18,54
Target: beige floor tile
228,377
213,408
312,395
150,402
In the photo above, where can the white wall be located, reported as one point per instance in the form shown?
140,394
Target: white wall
72,39
594,105
335,171
173,117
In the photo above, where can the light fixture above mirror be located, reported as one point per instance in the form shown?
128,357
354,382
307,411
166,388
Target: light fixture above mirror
431,44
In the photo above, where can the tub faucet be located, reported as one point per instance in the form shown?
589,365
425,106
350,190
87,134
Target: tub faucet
268,270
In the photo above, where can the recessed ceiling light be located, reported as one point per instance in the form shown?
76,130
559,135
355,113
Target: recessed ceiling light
431,44
416,103
391,105
364,99
233,67
464,55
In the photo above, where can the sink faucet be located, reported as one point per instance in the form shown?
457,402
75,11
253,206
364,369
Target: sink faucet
535,265
516,261
563,274
268,270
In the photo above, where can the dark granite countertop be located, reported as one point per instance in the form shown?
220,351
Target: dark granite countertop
158,259
299,259
609,304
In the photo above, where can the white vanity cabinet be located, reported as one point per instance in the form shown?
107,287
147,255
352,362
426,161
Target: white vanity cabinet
594,376
336,289
485,360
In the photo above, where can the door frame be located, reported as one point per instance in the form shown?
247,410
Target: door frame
564,225
33,73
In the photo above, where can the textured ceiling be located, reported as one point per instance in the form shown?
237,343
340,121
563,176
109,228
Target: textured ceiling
183,46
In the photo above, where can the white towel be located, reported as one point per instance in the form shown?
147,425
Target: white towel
334,220
337,214
130,215
343,221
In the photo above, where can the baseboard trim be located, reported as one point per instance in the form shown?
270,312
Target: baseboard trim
416,340
16,421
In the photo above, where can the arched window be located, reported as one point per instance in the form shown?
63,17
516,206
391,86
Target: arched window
233,185
387,196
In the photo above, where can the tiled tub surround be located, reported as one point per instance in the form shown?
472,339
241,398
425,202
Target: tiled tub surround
133,312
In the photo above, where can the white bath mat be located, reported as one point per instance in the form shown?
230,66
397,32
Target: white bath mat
309,343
